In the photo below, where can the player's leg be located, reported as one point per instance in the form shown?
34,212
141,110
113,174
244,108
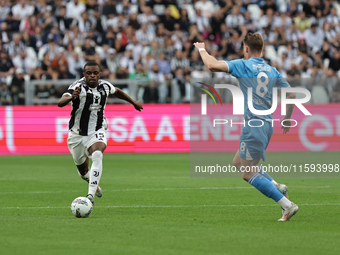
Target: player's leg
83,170
237,164
96,151
281,187
250,174
253,143
96,146
77,149
80,158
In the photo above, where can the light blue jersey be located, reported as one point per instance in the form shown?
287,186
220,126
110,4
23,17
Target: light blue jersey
261,77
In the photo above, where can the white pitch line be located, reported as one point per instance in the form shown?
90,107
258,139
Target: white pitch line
18,179
208,188
37,192
162,189
164,206
120,190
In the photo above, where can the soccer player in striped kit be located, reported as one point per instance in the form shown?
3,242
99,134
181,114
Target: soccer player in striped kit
87,135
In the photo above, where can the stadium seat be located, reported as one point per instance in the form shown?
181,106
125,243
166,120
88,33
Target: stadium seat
282,5
315,49
32,55
319,95
280,50
9,79
175,90
305,75
41,54
99,49
158,9
255,11
337,6
271,53
140,94
326,64
27,77
78,50
134,8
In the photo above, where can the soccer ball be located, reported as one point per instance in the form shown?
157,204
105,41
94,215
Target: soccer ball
81,207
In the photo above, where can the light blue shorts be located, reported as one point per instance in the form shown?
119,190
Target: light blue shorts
254,140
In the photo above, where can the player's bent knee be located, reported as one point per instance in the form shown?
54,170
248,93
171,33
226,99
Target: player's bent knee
237,163
84,167
97,155
246,176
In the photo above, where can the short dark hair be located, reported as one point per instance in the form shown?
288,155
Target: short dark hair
92,63
254,41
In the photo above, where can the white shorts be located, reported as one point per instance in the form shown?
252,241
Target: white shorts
79,144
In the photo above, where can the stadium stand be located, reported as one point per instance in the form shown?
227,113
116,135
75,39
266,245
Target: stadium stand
150,41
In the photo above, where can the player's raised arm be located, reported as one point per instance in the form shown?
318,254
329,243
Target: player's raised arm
66,98
122,95
212,63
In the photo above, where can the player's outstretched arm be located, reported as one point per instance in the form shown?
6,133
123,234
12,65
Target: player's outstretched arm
212,63
289,112
122,95
66,98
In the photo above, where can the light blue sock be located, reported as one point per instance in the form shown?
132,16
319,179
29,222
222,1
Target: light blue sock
265,187
264,174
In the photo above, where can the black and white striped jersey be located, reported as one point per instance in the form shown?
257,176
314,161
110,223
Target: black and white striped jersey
87,114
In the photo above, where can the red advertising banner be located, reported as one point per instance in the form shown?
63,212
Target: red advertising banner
44,129
160,128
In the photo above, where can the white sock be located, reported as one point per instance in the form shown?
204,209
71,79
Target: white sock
84,177
96,171
285,203
275,183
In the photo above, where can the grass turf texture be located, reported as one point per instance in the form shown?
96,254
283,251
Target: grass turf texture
151,206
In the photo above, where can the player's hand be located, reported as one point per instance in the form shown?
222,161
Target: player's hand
138,105
199,45
287,124
76,93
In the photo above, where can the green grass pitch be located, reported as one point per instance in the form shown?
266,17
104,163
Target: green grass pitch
152,206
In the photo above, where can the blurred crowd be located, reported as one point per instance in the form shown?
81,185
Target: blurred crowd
151,42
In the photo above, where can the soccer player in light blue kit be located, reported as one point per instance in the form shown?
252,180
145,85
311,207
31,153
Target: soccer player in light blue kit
255,73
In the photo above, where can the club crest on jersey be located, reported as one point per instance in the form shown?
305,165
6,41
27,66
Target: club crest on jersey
96,99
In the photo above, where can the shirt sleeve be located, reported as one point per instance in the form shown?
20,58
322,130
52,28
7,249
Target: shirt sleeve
71,88
111,88
236,67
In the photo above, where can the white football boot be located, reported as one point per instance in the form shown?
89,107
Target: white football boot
99,192
288,213
91,198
